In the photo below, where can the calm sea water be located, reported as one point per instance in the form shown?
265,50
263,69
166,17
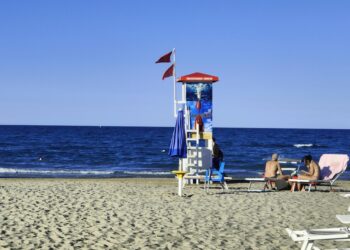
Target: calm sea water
59,151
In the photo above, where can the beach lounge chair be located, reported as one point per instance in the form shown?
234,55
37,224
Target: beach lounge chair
308,237
268,181
265,181
213,175
345,219
332,166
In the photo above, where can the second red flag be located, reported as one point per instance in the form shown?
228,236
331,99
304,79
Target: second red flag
169,72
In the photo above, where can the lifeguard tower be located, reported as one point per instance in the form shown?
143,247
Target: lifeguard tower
197,99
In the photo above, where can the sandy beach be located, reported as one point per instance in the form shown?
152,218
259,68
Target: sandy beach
147,214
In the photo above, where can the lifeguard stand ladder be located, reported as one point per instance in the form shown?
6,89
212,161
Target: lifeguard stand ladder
197,98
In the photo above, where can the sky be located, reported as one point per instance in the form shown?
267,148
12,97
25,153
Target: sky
281,64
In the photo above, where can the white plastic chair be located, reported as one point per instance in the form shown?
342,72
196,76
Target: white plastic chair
308,237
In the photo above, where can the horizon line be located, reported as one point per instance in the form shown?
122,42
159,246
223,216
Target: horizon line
147,126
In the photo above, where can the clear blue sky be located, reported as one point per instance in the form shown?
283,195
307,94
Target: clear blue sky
281,63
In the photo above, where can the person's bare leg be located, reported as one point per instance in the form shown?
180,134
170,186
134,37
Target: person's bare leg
304,177
286,177
292,189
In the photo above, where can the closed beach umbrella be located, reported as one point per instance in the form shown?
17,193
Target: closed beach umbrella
178,147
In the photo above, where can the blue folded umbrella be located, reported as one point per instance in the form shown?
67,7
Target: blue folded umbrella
178,147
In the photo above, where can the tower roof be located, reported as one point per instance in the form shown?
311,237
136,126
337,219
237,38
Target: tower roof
198,77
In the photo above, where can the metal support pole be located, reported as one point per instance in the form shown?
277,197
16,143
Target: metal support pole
180,186
174,82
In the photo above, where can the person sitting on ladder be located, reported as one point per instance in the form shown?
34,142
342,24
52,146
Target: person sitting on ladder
217,155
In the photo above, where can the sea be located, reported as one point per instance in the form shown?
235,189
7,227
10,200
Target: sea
114,152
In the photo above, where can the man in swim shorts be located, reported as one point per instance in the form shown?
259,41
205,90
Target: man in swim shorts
273,170
272,167
312,174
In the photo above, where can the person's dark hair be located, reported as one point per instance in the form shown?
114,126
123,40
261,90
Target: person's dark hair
307,158
214,139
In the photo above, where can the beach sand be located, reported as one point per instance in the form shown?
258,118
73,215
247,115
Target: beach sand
147,214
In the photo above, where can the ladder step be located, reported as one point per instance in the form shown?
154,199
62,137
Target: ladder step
192,162
191,165
191,131
192,156
191,139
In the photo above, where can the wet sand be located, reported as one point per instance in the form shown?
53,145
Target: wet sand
147,214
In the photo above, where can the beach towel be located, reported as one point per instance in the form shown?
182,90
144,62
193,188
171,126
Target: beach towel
331,164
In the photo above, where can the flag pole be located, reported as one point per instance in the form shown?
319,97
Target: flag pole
174,76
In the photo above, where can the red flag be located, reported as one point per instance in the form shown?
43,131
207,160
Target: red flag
165,59
169,72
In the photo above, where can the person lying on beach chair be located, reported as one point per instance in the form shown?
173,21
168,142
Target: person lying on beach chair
273,170
313,174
